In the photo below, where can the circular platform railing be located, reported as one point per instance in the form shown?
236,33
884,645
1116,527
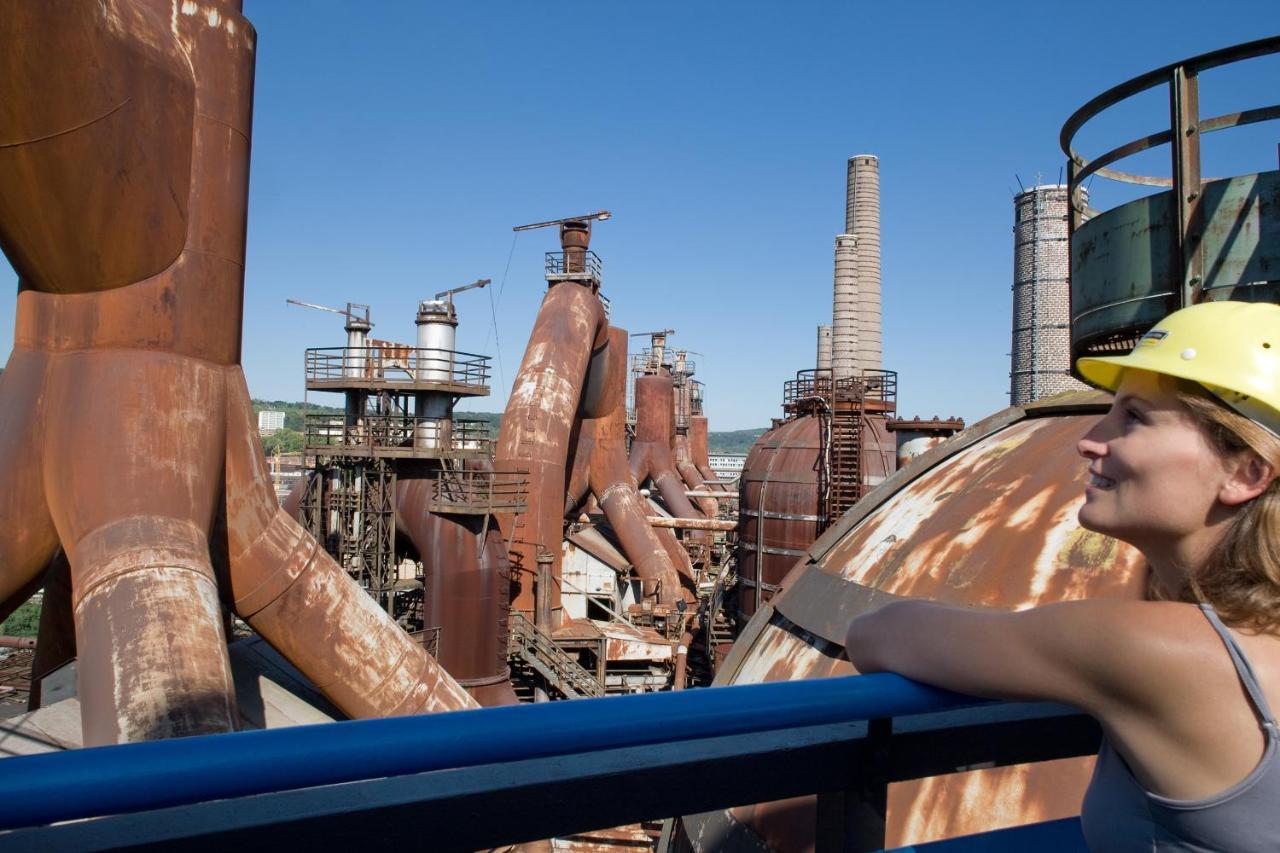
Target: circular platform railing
1202,239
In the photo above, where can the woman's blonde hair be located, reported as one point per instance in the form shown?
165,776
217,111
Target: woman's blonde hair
1241,578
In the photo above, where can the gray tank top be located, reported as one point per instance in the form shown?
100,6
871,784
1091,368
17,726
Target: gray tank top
1120,815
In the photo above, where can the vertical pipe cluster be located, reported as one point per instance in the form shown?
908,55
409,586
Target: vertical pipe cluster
1041,359
862,220
600,468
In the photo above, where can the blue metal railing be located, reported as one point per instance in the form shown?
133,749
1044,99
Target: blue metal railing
191,772
88,782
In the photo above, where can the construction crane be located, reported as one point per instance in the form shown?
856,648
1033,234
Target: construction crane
660,333
349,313
600,215
448,294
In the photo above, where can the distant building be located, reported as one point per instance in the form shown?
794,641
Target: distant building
270,423
727,466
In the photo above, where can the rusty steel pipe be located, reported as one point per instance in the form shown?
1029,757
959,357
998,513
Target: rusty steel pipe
692,477
540,414
614,487
677,523
7,642
123,196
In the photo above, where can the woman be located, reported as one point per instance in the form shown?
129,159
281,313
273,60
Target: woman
1183,467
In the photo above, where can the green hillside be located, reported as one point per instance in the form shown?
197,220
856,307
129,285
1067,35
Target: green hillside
289,439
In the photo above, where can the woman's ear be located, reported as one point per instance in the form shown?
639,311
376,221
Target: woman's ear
1249,477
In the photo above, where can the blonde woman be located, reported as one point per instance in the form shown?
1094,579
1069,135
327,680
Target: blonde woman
1183,467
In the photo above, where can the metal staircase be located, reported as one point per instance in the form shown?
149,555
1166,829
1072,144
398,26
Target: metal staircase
532,648
846,456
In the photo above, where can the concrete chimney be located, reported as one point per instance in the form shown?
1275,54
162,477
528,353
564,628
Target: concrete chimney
862,220
844,309
824,348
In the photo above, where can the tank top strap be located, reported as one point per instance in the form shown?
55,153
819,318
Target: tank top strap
1243,668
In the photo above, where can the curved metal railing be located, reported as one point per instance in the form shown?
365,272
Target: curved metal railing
1205,238
394,367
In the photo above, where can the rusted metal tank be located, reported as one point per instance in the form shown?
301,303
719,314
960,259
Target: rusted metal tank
123,198
546,400
986,518
779,509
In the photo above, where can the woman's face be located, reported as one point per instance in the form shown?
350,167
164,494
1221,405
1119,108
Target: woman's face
1154,478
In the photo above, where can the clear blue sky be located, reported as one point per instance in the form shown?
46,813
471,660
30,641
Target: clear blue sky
397,143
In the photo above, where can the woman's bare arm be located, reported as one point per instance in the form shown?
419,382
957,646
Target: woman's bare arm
1106,657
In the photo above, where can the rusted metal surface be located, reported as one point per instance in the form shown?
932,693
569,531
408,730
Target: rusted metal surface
123,187
779,516
987,519
651,450
917,436
7,642
465,589
542,408
691,523
699,454
601,450
682,455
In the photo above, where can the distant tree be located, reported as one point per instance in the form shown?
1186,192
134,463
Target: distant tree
283,441
23,622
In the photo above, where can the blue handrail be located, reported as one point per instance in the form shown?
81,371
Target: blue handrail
98,781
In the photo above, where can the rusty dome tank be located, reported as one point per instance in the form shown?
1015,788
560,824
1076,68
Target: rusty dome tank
989,518
789,491
779,504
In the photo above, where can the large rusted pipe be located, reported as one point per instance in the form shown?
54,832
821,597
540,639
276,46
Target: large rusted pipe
540,413
123,190
465,590
612,484
651,456
692,477
303,603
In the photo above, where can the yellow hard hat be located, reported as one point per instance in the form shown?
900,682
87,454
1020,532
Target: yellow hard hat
1230,348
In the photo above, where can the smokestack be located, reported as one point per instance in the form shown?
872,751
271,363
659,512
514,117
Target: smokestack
862,220
824,348
844,309
1041,296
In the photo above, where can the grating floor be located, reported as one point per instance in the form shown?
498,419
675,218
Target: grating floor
15,681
